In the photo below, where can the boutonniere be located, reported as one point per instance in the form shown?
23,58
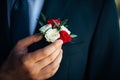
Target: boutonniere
53,29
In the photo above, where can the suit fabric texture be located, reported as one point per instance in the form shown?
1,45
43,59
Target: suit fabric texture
94,54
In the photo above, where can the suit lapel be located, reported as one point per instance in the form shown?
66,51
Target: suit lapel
53,8
4,31
79,20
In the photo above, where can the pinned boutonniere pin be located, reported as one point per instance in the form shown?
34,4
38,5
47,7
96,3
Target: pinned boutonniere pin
54,29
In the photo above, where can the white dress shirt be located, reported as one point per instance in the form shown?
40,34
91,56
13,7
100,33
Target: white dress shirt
35,7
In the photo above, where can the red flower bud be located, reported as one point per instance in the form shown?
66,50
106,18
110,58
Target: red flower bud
65,36
51,21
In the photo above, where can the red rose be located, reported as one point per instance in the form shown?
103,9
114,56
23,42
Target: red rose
65,37
51,21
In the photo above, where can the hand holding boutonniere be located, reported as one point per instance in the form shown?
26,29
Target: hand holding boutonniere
54,29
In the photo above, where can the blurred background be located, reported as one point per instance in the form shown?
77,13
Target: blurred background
118,9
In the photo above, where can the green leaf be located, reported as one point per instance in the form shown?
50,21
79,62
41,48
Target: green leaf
41,23
66,26
64,22
43,17
73,36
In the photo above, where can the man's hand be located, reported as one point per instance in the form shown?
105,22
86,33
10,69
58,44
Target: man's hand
38,65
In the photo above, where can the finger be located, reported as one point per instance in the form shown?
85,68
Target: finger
45,52
49,59
41,64
47,75
52,68
28,41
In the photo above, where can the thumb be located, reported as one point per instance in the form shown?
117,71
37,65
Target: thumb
24,43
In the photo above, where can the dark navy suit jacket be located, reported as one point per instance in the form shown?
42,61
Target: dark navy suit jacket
94,54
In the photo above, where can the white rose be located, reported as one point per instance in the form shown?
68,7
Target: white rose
51,35
44,28
65,29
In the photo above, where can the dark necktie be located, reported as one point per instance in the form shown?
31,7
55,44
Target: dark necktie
19,21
